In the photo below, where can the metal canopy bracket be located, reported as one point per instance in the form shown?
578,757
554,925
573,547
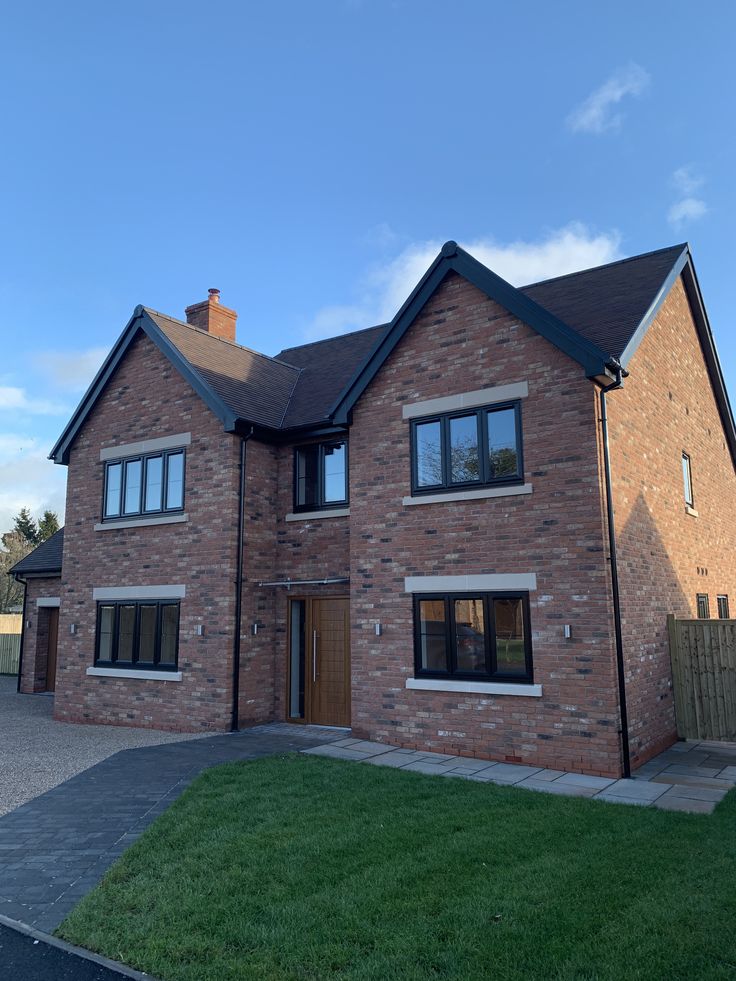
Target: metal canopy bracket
288,583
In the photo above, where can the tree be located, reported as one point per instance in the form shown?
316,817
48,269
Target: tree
35,533
26,526
15,547
48,525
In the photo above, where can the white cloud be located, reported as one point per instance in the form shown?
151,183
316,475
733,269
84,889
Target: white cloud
384,288
686,181
28,479
16,398
689,208
70,370
597,113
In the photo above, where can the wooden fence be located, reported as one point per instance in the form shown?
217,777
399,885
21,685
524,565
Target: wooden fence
9,653
10,623
703,656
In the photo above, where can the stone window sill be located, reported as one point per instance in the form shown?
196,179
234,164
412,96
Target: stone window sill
315,515
474,687
159,519
469,495
134,673
691,511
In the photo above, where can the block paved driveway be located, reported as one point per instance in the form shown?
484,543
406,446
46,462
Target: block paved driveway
56,847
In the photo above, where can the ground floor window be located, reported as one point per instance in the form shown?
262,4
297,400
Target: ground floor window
138,634
703,604
723,607
473,636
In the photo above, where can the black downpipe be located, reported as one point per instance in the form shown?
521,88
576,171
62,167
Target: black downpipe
234,721
22,630
614,575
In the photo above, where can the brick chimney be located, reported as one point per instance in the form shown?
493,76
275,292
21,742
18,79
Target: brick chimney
212,317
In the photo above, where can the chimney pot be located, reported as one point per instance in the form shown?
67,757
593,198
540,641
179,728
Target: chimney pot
210,315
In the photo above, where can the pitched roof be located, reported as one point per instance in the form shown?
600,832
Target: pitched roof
326,367
606,304
45,558
254,386
595,315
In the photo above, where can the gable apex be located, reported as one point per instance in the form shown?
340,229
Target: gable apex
452,258
140,322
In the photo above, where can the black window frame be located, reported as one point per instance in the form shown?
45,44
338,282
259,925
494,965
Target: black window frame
702,605
143,459
687,483
322,505
135,663
723,607
491,673
486,479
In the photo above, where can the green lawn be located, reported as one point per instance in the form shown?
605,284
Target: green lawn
298,867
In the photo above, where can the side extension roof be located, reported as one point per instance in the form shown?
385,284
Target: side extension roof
45,559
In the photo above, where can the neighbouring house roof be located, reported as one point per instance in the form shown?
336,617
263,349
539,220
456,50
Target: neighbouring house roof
597,316
45,559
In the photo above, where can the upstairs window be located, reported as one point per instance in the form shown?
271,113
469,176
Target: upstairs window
475,448
483,636
687,479
141,634
143,485
321,475
703,605
723,607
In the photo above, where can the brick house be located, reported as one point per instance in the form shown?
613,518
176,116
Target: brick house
536,478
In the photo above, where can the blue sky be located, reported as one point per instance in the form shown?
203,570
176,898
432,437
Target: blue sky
309,158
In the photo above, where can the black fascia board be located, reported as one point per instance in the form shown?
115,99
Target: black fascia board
710,352
139,321
684,266
452,258
654,308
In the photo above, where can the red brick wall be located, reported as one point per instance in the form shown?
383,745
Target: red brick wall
277,550
147,398
667,406
462,341
35,636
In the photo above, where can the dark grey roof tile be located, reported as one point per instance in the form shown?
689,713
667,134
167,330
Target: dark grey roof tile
45,557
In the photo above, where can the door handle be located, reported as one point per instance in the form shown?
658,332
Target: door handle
314,656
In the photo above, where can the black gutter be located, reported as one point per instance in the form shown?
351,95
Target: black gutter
625,753
22,629
234,721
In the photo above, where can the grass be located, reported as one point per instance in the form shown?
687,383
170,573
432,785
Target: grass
297,867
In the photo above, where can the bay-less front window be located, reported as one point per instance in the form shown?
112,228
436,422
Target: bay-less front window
138,634
321,475
485,636
152,484
474,448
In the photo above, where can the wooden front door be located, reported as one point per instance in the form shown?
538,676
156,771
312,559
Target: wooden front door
329,663
51,655
319,661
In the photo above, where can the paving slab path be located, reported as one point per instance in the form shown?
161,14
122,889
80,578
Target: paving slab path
689,776
55,848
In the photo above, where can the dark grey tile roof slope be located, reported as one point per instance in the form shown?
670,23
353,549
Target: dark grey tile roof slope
326,368
45,557
606,304
299,385
254,386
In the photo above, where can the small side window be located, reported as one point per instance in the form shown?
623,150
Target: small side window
687,479
723,607
703,606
